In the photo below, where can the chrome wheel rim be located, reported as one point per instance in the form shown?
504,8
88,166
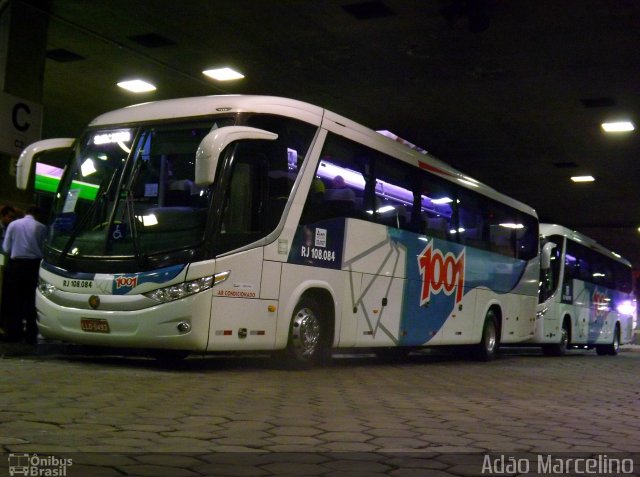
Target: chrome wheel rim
306,333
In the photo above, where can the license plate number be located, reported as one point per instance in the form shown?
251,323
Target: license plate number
93,325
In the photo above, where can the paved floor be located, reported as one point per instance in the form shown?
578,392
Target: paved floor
427,415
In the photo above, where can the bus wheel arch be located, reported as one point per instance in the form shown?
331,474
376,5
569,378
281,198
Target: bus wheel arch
311,329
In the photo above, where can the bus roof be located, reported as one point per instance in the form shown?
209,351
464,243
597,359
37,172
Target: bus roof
555,229
202,106
207,105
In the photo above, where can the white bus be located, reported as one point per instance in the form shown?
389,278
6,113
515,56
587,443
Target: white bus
586,295
236,223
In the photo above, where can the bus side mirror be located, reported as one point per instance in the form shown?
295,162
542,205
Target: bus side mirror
545,256
25,160
215,142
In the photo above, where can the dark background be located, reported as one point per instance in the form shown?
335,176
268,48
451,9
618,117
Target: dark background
512,92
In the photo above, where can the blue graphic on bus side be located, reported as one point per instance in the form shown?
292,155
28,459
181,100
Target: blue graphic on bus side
439,277
598,302
601,302
125,282
438,274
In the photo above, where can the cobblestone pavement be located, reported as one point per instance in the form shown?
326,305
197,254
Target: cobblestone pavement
427,415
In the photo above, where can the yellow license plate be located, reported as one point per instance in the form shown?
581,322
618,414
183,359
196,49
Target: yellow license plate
94,325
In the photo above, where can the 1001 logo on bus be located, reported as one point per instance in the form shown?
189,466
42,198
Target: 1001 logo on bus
126,281
441,273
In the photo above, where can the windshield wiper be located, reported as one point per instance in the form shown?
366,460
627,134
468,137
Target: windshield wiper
85,218
134,229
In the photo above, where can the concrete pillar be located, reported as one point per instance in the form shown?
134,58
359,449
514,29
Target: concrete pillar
23,43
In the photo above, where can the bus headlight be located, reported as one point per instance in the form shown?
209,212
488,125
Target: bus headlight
627,307
182,290
45,287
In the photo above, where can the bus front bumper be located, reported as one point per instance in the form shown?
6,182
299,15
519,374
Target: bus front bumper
181,324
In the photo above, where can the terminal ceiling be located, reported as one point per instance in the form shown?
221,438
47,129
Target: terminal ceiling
512,92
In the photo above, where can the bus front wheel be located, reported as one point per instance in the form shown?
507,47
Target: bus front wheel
561,348
487,349
307,344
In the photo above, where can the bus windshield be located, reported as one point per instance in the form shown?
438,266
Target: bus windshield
130,192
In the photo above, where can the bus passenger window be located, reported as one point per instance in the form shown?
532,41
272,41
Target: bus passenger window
470,221
338,189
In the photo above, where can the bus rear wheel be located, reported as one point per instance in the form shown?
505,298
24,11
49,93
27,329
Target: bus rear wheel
487,349
613,348
307,344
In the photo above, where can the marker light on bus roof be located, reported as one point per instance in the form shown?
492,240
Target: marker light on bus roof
137,86
223,74
618,126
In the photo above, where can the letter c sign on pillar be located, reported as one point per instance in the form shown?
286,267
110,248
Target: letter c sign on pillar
20,124
18,119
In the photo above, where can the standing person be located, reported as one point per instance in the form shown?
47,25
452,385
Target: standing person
23,243
7,215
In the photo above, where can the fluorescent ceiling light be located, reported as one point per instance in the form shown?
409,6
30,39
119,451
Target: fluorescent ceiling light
87,168
618,126
583,178
137,86
223,74
442,200
148,220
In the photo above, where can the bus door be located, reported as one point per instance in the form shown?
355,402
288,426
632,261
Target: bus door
376,265
240,320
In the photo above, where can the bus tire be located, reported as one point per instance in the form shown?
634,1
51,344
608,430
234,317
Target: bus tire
307,343
487,349
613,348
561,348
